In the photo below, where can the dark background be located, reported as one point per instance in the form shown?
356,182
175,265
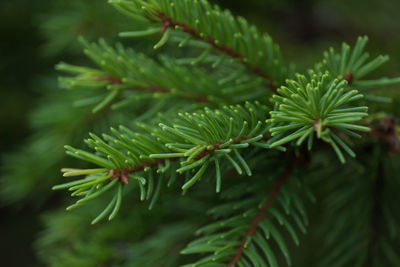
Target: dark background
29,51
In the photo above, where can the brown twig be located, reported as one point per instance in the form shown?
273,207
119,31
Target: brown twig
263,212
154,88
123,175
168,23
316,125
348,77
112,80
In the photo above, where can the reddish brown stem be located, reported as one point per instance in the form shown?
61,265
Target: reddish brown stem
168,23
156,89
348,77
262,213
316,125
123,175
113,80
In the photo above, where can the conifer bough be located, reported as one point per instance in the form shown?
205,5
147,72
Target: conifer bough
230,135
230,35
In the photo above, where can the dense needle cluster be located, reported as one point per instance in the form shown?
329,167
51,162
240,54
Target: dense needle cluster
238,110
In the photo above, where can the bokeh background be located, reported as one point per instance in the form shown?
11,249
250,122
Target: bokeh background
35,35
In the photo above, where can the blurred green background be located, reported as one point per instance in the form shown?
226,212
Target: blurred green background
35,35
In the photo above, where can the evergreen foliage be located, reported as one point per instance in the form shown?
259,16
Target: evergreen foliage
221,137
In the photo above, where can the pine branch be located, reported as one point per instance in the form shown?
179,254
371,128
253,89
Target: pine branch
317,105
251,220
229,241
133,77
352,66
192,143
167,22
262,213
320,104
122,175
230,35
308,106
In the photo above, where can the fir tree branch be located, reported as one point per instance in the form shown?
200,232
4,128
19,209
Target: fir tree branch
193,97
122,175
352,65
191,143
254,217
167,22
262,213
131,77
221,241
316,105
232,36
